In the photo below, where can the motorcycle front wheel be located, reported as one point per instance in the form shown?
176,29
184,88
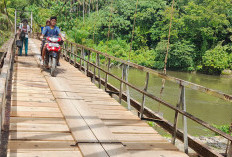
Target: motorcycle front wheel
53,66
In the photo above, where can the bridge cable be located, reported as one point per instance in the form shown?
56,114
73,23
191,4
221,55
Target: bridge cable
166,56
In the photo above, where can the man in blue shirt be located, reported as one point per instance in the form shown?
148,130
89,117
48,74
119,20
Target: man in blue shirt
50,31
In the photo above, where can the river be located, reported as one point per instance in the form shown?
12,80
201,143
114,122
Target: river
208,108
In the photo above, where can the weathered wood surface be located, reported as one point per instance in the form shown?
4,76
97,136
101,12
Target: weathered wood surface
37,125
52,113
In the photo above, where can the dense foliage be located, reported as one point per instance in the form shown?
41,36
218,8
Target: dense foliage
201,33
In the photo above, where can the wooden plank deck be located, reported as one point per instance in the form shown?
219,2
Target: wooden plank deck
37,125
51,114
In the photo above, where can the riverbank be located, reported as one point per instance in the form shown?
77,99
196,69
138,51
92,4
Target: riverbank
216,143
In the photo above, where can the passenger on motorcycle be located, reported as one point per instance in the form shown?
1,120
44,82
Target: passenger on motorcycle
48,23
50,31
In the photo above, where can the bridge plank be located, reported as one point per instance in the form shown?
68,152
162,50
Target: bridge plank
36,114
36,120
113,112
21,145
140,138
132,129
157,153
45,154
125,122
115,150
33,95
80,130
38,127
92,150
64,95
33,104
34,109
149,146
101,132
106,107
115,116
41,136
35,99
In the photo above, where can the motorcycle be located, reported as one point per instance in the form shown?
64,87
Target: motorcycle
53,47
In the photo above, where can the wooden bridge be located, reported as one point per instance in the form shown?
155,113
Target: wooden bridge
68,115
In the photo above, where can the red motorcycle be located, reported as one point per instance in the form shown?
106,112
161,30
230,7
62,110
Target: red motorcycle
52,52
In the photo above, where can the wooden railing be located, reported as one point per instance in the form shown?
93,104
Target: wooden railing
83,58
5,73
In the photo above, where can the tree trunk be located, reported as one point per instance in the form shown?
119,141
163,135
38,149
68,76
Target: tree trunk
97,6
89,6
83,11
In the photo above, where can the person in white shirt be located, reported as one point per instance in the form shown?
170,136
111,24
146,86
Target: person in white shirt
24,29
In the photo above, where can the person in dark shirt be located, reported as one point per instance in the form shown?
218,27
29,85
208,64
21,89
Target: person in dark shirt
50,31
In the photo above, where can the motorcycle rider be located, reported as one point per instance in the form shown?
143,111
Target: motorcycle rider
50,31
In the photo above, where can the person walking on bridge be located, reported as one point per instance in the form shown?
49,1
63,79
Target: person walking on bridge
24,29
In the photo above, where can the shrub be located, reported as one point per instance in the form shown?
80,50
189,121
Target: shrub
216,60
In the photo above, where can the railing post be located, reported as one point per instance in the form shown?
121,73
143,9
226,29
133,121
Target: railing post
143,99
229,144
75,56
66,52
81,59
108,70
88,62
94,71
127,88
184,121
229,154
85,67
182,104
99,74
176,116
71,52
121,84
